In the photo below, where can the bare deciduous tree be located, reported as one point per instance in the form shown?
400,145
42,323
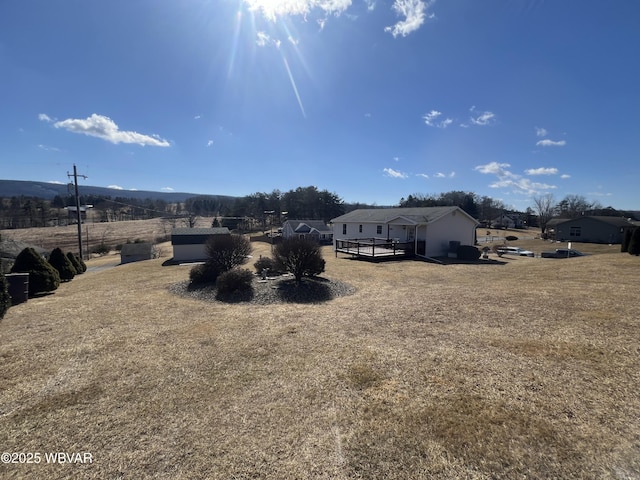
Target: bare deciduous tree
544,206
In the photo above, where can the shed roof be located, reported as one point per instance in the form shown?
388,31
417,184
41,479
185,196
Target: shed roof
195,236
200,231
615,221
419,215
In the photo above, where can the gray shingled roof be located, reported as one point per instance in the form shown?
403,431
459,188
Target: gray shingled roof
419,215
305,226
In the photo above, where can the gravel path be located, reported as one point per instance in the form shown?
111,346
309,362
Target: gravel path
280,289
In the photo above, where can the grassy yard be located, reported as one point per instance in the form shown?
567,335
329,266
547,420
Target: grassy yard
523,368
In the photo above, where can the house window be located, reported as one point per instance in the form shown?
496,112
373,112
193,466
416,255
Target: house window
344,228
359,228
575,231
379,230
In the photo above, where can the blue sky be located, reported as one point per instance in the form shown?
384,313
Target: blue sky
372,100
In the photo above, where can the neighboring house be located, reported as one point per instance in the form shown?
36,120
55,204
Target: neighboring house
588,229
313,229
507,221
427,231
136,252
189,243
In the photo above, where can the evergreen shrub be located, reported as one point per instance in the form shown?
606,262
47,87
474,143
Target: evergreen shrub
238,279
5,298
62,264
42,276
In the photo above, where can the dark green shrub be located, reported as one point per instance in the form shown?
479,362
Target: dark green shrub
511,238
299,256
62,264
238,279
265,263
468,252
42,276
198,275
5,298
224,252
626,239
101,249
634,243
75,261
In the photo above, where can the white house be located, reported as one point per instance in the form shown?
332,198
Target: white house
425,231
189,243
314,229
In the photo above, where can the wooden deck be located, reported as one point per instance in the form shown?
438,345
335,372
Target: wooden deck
374,248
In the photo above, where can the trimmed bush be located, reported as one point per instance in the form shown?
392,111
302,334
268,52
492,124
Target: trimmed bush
198,275
42,276
468,252
265,263
511,238
299,256
634,243
626,238
238,279
77,263
62,264
5,298
224,252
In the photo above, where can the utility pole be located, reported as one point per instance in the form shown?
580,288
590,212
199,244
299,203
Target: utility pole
75,183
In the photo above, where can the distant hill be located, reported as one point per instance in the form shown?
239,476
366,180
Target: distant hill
47,191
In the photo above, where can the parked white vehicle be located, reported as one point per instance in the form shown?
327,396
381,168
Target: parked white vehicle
521,252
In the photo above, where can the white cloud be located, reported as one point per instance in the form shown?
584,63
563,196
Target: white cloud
565,176
551,143
390,172
167,189
209,143
47,148
271,9
44,117
103,127
414,13
483,118
522,185
495,168
444,175
507,179
396,159
423,175
541,132
542,171
431,119
197,117
115,187
56,182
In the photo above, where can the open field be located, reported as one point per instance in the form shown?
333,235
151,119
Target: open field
523,368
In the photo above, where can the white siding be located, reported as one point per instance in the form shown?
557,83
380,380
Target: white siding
452,227
189,253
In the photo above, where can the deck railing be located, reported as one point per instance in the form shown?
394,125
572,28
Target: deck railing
375,247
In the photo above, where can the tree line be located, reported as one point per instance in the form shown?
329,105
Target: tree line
274,207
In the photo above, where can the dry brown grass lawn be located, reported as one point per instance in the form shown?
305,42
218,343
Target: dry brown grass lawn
525,369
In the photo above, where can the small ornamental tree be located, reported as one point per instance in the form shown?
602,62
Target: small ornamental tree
299,256
62,264
626,238
78,264
42,276
5,298
224,252
634,243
